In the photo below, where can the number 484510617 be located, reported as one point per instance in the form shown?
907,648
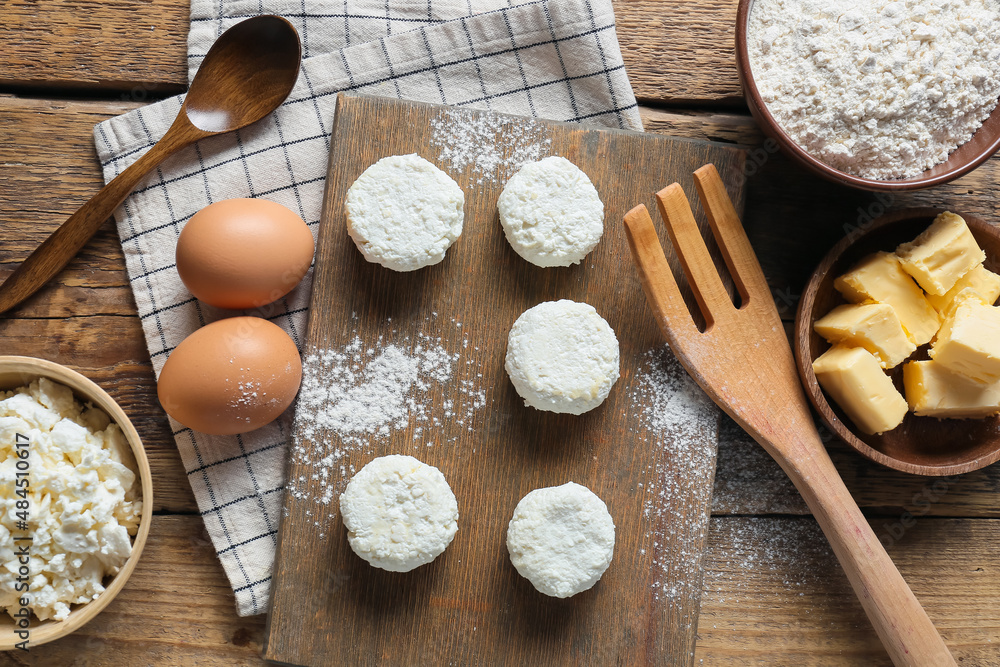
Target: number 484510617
23,480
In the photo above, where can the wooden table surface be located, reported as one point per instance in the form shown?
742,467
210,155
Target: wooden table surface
774,593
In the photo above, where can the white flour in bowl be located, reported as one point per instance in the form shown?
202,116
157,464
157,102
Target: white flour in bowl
881,89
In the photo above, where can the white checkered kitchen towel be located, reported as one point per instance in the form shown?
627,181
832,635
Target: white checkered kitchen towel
555,59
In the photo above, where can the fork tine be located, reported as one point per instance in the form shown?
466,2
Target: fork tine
730,235
691,250
658,280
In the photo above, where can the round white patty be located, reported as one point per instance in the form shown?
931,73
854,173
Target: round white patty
562,357
551,212
404,213
399,513
561,539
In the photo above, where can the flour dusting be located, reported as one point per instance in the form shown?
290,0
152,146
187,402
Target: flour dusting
681,420
493,147
364,392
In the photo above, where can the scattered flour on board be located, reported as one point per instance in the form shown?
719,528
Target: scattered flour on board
680,419
493,147
364,392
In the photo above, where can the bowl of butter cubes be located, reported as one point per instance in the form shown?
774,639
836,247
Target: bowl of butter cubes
77,500
898,341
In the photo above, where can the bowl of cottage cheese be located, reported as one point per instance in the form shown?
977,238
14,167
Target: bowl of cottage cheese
75,500
874,94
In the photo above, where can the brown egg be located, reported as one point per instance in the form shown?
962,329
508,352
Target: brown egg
231,376
243,253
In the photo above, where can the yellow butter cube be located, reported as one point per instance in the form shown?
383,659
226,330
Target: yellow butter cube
979,278
934,391
873,326
942,254
968,294
880,278
855,380
969,342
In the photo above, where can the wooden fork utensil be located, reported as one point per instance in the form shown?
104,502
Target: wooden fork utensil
744,363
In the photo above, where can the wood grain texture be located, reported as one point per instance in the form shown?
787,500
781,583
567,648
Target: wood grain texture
680,52
470,604
48,168
773,596
675,52
137,48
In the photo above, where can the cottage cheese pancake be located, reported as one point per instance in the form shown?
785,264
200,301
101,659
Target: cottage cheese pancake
399,513
561,539
551,212
562,356
404,213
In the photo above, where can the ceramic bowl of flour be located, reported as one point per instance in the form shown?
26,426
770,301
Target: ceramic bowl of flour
969,153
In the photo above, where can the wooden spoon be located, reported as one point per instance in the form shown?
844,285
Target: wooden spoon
246,75
744,363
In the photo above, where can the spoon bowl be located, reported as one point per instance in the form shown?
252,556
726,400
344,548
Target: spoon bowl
246,75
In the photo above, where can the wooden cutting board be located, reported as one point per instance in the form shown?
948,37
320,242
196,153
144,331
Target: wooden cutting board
641,451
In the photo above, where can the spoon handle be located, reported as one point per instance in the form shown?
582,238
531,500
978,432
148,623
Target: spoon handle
64,243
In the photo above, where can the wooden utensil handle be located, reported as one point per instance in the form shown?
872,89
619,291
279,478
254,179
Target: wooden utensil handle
901,623
64,243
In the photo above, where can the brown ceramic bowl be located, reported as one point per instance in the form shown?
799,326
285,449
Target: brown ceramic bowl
920,445
967,157
19,371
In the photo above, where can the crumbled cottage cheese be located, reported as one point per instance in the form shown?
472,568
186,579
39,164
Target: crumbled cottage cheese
81,497
879,89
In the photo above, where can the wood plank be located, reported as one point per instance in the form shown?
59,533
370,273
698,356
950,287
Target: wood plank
642,610
773,595
675,52
748,481
136,49
680,52
47,168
